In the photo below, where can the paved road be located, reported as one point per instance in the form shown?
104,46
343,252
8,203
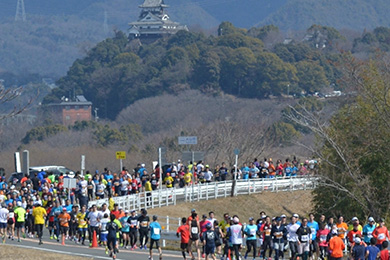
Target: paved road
71,248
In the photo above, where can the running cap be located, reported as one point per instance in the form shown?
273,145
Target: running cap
296,215
283,216
278,219
358,240
204,216
355,219
12,187
264,216
126,211
208,225
143,165
381,220
236,220
250,219
193,210
133,210
371,219
19,203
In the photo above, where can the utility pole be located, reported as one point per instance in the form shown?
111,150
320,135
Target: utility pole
105,23
20,11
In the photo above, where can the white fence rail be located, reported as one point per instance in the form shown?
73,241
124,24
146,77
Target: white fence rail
213,190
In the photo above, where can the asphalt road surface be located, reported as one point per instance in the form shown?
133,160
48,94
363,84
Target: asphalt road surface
71,248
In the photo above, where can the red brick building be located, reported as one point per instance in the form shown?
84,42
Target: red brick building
68,112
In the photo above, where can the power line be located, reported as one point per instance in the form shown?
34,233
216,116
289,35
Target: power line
20,11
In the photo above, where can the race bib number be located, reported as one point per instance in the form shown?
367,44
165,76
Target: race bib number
194,230
323,238
305,238
369,234
144,224
252,232
268,232
381,236
278,235
156,231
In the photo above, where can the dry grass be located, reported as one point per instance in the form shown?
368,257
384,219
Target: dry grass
245,206
13,252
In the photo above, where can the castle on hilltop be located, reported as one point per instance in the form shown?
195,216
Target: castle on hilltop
153,22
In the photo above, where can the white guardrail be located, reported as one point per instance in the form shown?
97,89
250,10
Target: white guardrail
213,190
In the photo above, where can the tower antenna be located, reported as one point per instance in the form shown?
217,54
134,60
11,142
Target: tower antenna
105,23
20,11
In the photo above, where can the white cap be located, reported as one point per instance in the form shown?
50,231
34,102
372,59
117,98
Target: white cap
143,165
236,220
296,215
371,219
19,203
12,187
283,216
357,240
354,219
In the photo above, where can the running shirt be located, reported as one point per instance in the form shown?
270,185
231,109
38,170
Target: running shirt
21,214
4,215
93,219
184,231
103,226
124,185
82,223
100,189
367,232
235,234
155,230
304,234
372,252
250,231
194,229
112,229
381,234
313,228
266,231
133,221
64,218
278,233
340,229
125,224
352,234
292,232
143,222
209,237
38,214
322,236
203,224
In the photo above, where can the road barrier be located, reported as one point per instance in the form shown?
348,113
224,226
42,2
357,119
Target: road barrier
206,191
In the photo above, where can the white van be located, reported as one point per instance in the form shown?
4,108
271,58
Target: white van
57,170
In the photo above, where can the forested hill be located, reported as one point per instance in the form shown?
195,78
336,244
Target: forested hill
352,14
116,73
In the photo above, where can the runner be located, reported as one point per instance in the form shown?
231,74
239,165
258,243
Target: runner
194,234
279,233
384,254
368,229
373,250
218,242
103,231
4,213
20,213
292,236
73,223
11,222
209,239
133,222
322,237
143,221
381,233
184,233
314,227
112,229
235,235
251,241
125,229
82,225
304,239
155,235
93,222
336,246
64,219
359,251
265,231
203,223
39,215
342,228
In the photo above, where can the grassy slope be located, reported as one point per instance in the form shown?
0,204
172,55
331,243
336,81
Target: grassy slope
245,206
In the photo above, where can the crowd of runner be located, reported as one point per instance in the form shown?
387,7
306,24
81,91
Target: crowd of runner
206,237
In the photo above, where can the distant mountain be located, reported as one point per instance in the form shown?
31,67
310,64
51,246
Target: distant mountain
352,14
